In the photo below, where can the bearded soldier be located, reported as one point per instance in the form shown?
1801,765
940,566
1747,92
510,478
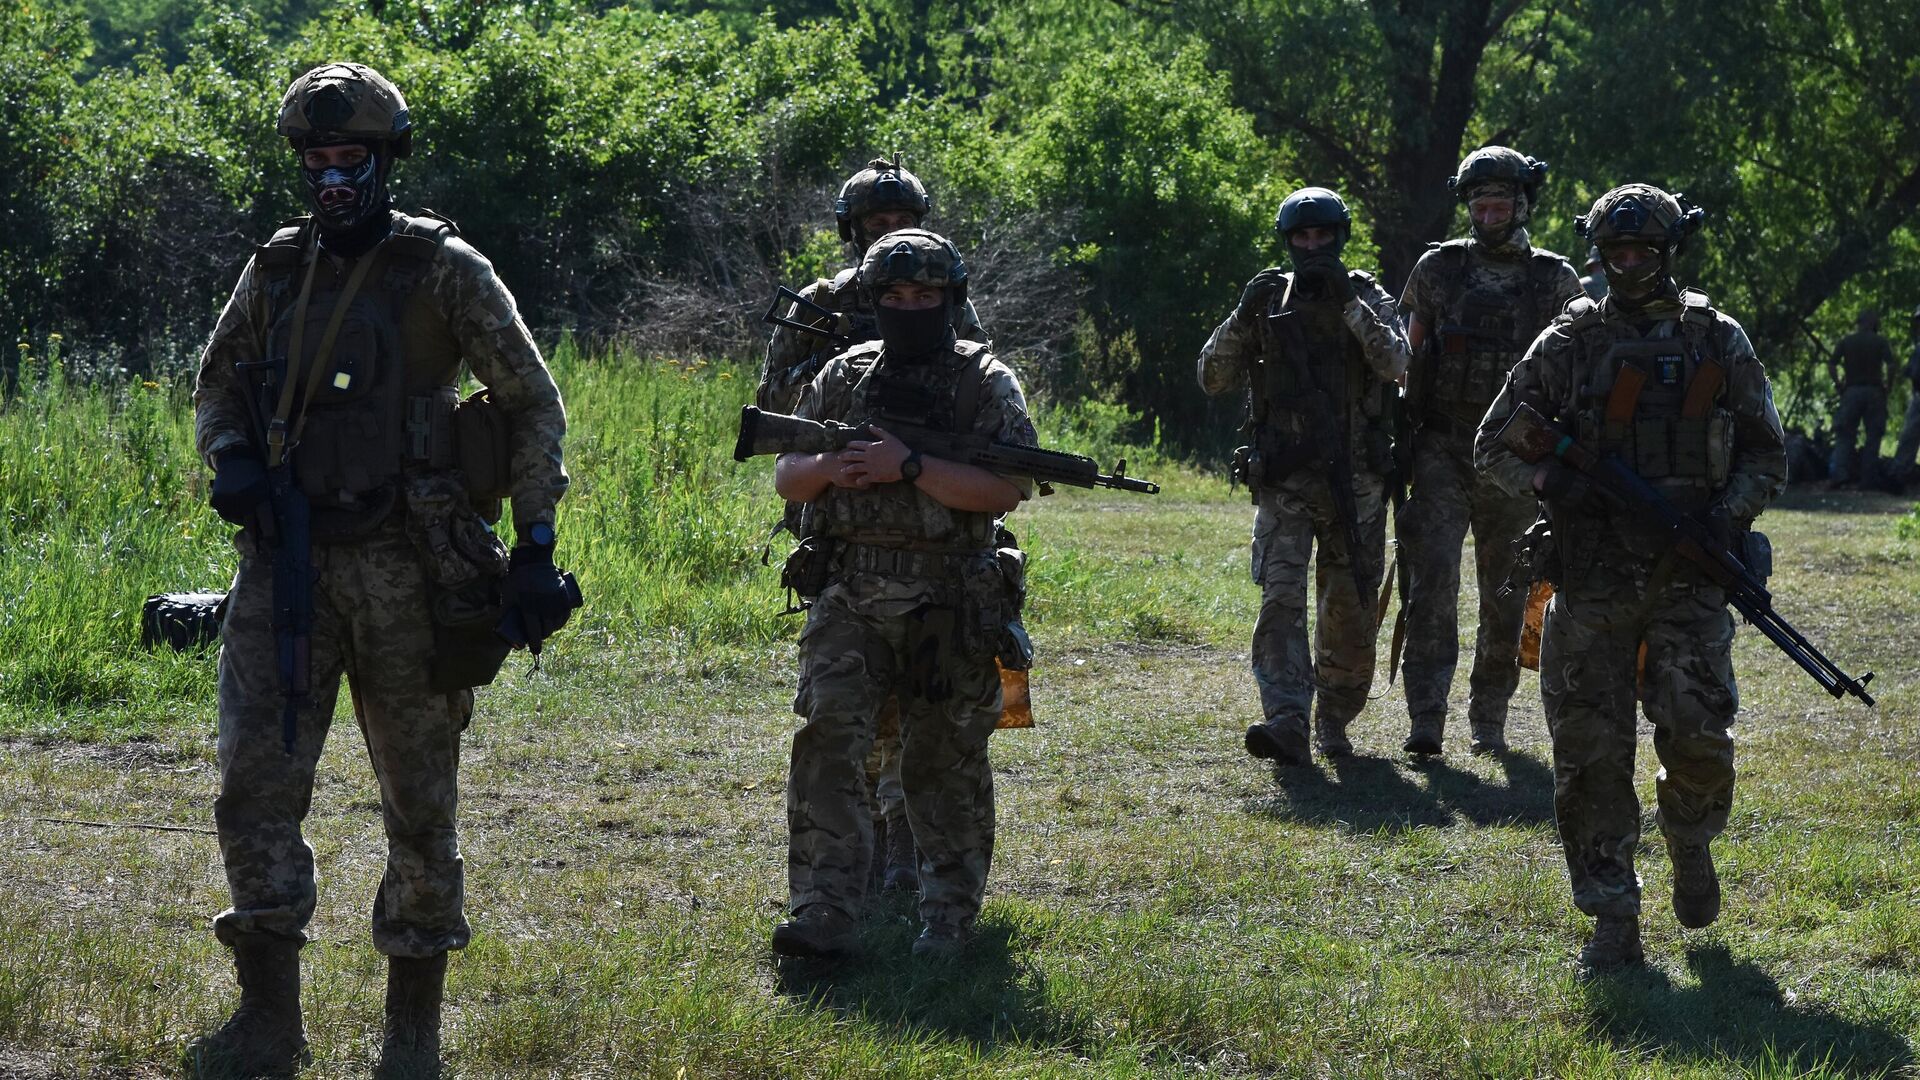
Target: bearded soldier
326,408
916,604
1320,348
1657,378
1473,307
1863,367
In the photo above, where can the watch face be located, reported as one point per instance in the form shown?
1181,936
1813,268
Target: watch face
910,468
541,534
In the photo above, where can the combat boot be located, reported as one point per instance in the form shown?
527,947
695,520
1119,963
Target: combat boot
1489,737
264,1037
1615,945
1423,738
816,930
1696,887
903,859
1281,741
1330,737
411,1048
942,942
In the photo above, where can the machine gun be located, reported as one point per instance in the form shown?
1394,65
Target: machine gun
776,433
1534,439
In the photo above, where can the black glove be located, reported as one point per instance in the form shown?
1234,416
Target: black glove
1259,292
239,486
539,597
1562,485
1324,277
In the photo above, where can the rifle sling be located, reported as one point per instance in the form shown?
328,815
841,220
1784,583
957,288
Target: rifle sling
288,421
276,432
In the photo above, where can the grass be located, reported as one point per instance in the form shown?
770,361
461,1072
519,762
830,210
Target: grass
1160,905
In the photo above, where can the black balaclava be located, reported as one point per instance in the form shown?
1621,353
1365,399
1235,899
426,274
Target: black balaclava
351,205
910,333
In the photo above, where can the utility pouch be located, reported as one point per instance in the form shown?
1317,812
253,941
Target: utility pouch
807,569
466,564
1757,552
483,447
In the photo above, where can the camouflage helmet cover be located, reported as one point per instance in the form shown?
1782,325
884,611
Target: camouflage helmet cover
345,103
1498,163
1313,206
914,257
1641,212
882,185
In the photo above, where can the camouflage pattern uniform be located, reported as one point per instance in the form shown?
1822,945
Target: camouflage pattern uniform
1866,364
374,589
892,622
1361,345
794,358
1481,307
1619,584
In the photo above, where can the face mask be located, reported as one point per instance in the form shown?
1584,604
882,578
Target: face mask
914,332
1637,282
342,198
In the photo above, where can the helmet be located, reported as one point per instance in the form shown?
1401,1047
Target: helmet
1498,163
882,185
1313,206
1593,256
917,257
345,103
1641,212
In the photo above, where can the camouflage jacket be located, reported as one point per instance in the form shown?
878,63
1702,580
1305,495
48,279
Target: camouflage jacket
794,358
459,308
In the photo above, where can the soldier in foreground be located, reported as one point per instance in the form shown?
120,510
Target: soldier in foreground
1863,367
874,201
1670,387
1473,306
1320,347
913,604
326,408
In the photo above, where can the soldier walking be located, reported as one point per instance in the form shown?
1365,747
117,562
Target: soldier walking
915,605
1473,306
1655,376
1863,367
1319,347
326,408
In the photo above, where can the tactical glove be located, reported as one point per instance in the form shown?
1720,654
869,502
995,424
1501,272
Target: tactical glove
1561,485
1255,297
1325,277
540,599
239,486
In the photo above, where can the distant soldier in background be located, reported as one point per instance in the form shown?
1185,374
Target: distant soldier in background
1595,281
1473,306
876,200
1320,347
1863,366
1901,468
1656,377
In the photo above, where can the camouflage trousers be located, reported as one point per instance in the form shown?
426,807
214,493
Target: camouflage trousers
852,660
886,798
1901,467
1860,406
1290,520
372,624
1448,499
1588,652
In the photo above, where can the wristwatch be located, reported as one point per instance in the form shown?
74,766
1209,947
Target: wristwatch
910,468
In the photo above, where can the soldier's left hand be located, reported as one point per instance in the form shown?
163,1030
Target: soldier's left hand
876,461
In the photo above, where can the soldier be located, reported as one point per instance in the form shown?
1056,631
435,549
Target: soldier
1657,377
1475,304
328,388
1324,367
915,605
1863,366
1901,468
874,201
1595,281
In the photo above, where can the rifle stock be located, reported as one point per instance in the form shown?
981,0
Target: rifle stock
798,303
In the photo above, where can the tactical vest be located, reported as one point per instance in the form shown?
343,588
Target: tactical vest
1333,358
1483,332
1656,402
384,401
940,394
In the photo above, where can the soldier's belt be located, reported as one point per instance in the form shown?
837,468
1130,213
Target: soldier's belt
902,563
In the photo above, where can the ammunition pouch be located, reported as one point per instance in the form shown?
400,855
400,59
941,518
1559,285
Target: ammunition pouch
483,451
1756,551
805,574
466,564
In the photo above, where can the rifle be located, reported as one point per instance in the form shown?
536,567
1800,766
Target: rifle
798,303
290,536
1399,483
1533,438
1327,438
777,433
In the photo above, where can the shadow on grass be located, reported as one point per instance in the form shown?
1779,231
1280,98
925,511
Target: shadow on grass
987,997
1738,1015
1367,794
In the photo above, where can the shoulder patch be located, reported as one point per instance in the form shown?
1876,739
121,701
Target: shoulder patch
969,349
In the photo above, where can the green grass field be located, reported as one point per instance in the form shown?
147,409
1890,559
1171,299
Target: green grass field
1160,905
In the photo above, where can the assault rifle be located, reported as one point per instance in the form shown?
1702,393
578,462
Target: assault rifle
1533,438
287,525
785,297
776,433
1327,441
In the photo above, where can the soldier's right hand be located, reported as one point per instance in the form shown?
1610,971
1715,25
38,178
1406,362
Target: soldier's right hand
1561,485
239,486
1255,297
